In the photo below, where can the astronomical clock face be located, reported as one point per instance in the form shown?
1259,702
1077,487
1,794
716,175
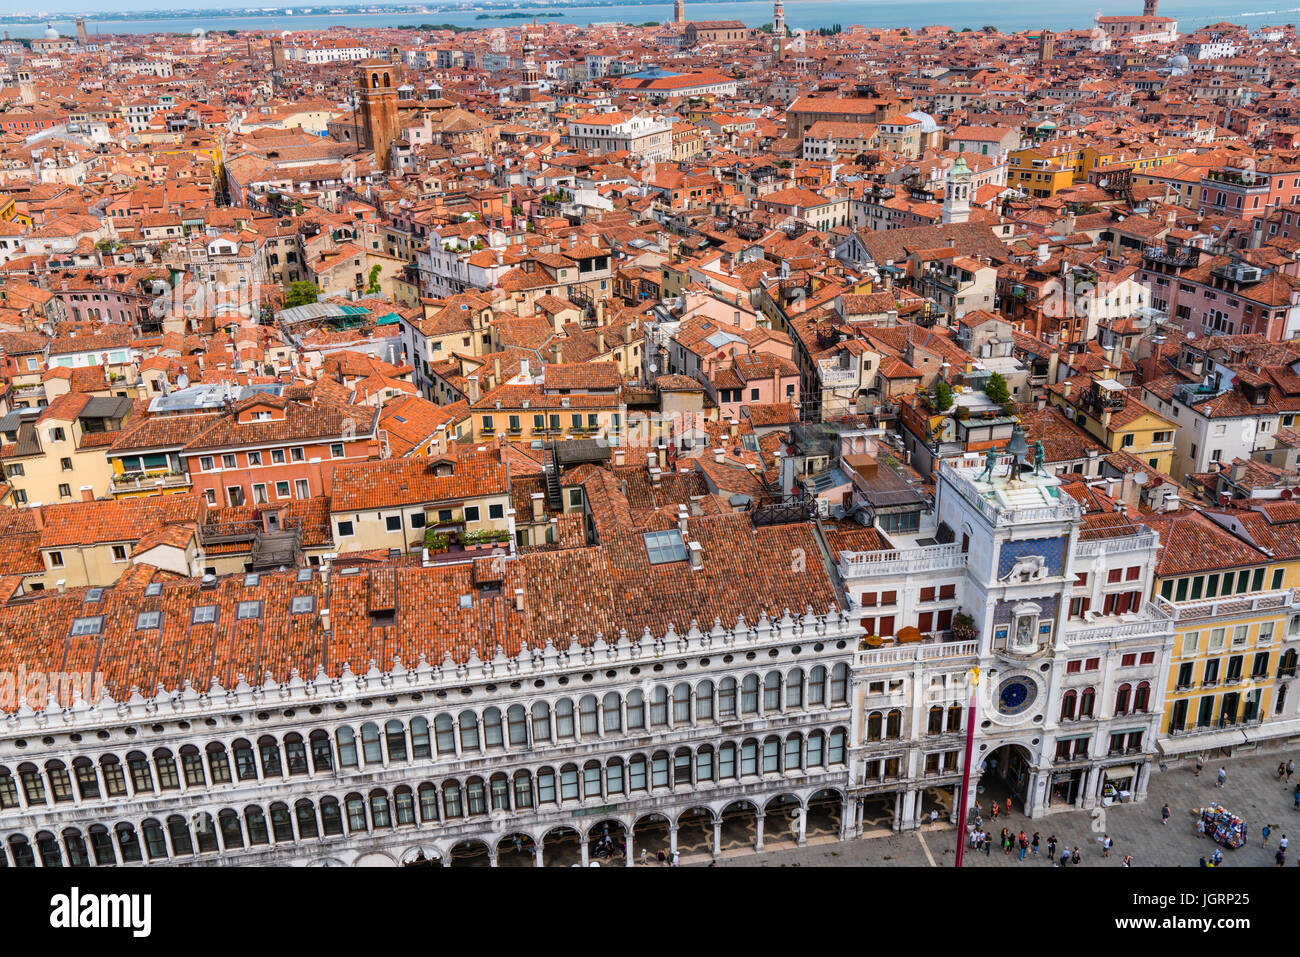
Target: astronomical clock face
1015,695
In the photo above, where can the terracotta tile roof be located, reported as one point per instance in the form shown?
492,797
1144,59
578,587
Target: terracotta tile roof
406,481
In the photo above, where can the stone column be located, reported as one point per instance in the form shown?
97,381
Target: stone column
537,853
758,826
629,842
582,844
717,838
1143,779
953,818
672,838
898,810
803,827
1087,798
493,855
908,818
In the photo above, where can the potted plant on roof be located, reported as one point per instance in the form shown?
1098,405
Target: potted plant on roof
435,542
963,627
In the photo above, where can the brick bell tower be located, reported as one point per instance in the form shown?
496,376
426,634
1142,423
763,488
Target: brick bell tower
377,85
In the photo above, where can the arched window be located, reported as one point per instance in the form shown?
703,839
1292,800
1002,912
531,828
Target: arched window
34,784
839,683
403,805
295,755
1121,698
245,762
727,698
179,830
704,764
659,707
564,725
8,790
22,851
451,806
281,823
493,736
428,795
60,781
612,713
420,738
726,762
794,688
232,835
395,738
772,691
141,774
219,765
87,781
205,832
875,726
475,796
468,722
1069,701
954,717
635,711
269,750
76,845
659,770
306,815
817,687
128,843
331,817
322,759
347,741
681,704
370,748
356,811
499,792
523,790
541,721
380,814
704,701
1086,702
749,757
793,752
637,780
1142,697
934,722
816,753
445,734
589,716
115,779
255,820
48,847
894,724
517,722
749,695
835,749
771,754
101,845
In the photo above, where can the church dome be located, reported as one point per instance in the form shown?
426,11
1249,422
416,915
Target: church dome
50,32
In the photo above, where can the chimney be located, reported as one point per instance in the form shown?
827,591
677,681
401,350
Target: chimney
600,343
537,498
718,454
682,515
556,355
1238,471
652,460
1066,388
654,477
496,370
697,555
1116,352
1171,500
523,369
1042,252
61,585
734,429
519,599
1129,491
627,334
1040,403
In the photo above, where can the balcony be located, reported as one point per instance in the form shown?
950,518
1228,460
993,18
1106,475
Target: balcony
904,561
1152,621
1229,606
144,482
919,651
1142,542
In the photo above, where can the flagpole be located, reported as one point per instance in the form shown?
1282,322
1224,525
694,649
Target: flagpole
965,774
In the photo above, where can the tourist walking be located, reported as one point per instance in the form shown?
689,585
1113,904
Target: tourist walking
1008,804
1051,847
643,852
1200,764
1295,803
1280,857
1106,844
995,810
1290,769
1034,843
1065,856
1200,827
1265,831
676,858
1282,844
1281,770
1128,861
1024,845
988,847
1075,856
1164,814
1223,777
1217,857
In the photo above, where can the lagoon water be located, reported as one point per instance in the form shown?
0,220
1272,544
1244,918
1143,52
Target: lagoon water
1006,15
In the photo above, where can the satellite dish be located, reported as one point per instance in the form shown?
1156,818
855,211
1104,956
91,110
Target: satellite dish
1190,335
1141,478
653,367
